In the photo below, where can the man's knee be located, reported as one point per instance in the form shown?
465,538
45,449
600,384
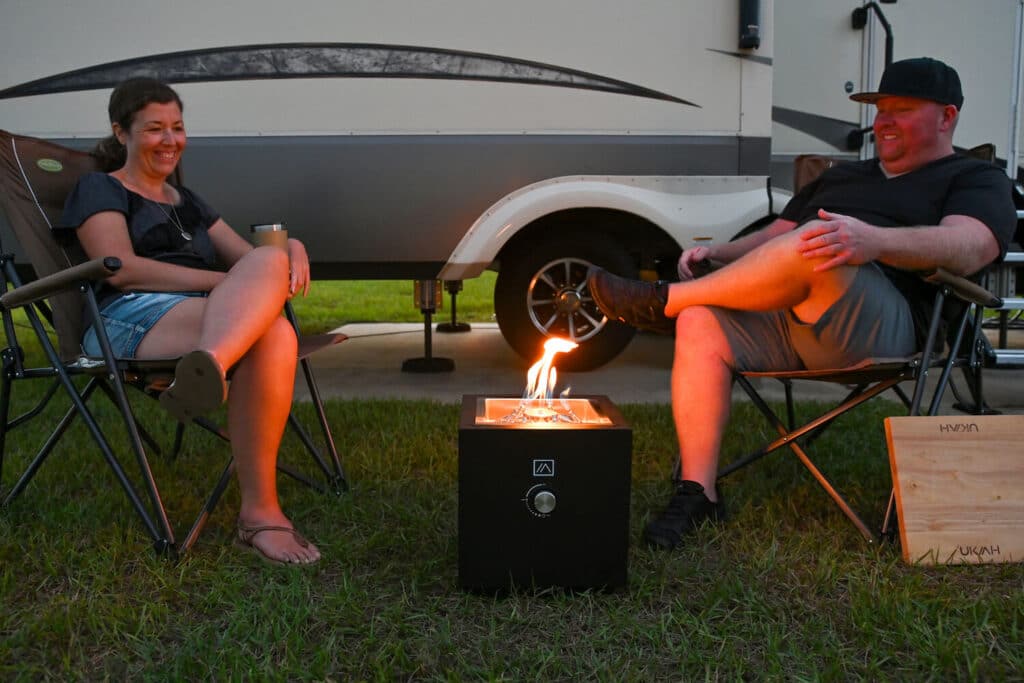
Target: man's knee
698,327
692,319
702,344
784,253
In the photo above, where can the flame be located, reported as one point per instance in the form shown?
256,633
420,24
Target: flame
542,377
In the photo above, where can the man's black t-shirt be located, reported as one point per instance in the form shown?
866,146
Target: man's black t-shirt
953,185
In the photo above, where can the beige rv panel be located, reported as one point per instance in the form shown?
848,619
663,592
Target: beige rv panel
679,47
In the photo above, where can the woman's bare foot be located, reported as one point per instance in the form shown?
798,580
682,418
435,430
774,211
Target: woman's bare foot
276,542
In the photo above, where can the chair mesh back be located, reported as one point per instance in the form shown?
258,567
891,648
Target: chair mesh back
35,178
807,168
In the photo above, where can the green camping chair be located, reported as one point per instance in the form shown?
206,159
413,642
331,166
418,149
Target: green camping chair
53,283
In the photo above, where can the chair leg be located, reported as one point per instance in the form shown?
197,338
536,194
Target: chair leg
5,411
303,479
902,395
976,403
790,408
888,532
831,491
164,538
789,438
336,476
314,453
677,470
208,506
179,438
43,453
823,481
41,404
147,438
854,393
160,534
156,523
791,435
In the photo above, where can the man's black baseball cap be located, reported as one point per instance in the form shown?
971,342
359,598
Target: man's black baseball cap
923,77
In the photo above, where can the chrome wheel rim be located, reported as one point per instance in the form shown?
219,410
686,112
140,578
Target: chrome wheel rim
560,304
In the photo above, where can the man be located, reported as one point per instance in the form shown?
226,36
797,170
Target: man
825,285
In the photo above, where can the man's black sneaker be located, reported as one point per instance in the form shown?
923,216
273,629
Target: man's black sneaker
687,509
634,302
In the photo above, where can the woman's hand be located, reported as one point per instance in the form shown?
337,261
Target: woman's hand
299,274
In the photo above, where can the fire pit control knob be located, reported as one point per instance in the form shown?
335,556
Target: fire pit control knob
543,501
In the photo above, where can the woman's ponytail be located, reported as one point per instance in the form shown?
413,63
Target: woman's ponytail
110,154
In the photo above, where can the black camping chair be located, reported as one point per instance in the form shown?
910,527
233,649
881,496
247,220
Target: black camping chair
936,361
35,178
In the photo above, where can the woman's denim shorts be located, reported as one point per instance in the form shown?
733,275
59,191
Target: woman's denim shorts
128,318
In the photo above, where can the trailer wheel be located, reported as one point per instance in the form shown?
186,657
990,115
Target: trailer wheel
541,292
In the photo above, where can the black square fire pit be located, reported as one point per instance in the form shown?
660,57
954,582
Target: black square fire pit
543,493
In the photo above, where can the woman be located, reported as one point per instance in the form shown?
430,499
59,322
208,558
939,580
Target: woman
172,297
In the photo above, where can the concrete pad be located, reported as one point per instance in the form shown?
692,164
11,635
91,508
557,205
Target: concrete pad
368,365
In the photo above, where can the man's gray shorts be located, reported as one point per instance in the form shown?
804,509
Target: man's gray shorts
870,320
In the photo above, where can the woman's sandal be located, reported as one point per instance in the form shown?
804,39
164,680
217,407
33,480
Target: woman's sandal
246,534
198,388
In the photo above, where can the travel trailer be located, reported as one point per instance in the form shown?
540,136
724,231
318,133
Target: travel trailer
432,141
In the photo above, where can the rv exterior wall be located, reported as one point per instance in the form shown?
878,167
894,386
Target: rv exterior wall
383,176
666,45
812,67
395,175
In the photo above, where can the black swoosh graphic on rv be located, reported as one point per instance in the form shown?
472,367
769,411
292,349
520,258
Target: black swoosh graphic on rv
824,128
743,55
329,60
833,131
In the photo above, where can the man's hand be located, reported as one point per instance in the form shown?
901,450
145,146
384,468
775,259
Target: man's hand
689,259
841,239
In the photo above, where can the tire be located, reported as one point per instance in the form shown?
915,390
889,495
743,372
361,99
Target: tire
541,292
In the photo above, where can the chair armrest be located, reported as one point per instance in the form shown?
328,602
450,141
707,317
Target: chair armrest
90,271
310,344
963,288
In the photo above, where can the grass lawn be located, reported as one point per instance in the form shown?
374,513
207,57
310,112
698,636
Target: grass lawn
331,304
785,590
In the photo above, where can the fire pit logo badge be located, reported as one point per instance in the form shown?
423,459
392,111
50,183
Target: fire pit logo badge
543,468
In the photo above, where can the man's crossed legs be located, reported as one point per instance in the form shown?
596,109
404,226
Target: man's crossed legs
768,310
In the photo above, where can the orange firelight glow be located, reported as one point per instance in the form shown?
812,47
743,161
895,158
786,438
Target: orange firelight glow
542,376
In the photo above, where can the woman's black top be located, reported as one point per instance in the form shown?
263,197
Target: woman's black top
151,225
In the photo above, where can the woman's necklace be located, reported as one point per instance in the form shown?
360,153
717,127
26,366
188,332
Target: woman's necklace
173,218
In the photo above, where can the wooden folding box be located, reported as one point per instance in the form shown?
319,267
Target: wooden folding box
959,483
